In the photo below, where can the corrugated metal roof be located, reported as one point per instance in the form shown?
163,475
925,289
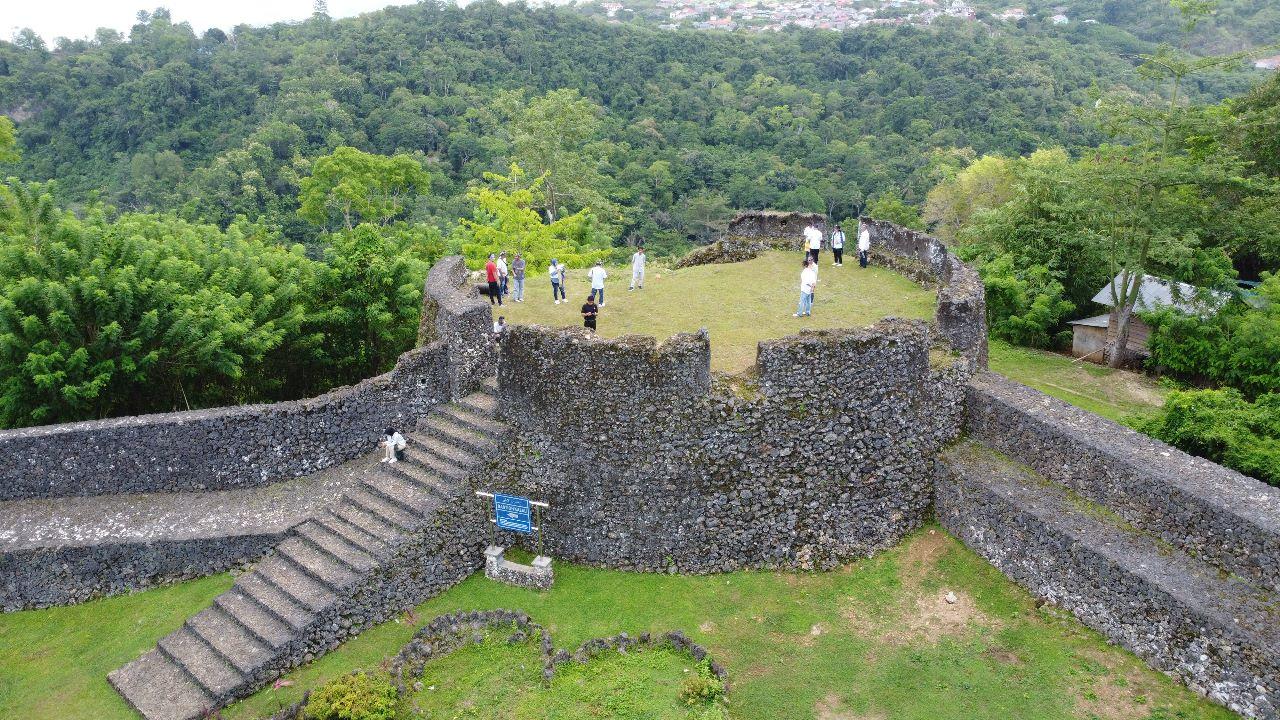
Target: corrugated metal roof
1157,292
1095,321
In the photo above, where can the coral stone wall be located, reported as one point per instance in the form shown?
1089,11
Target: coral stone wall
254,445
771,224
650,464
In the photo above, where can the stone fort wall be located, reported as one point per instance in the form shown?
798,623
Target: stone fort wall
255,445
651,463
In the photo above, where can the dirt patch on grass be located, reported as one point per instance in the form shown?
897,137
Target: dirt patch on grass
920,614
1107,700
1004,656
828,708
707,627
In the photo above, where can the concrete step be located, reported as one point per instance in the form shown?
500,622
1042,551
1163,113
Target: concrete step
482,423
387,512
428,480
257,620
209,669
230,639
160,690
483,404
431,462
1215,631
367,522
317,563
459,457
274,601
442,429
354,535
409,496
339,546
296,583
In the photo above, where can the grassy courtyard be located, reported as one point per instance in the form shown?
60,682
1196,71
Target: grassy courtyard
740,304
872,641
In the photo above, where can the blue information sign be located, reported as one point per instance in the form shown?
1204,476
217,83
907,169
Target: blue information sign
512,513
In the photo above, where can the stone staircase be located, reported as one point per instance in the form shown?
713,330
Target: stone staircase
1184,614
405,532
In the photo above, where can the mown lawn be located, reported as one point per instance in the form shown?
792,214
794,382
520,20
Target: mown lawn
739,304
1114,394
875,639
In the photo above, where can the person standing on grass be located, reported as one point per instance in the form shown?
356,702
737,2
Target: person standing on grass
597,276
814,236
491,277
589,313
556,271
503,273
637,269
517,277
837,246
808,283
864,244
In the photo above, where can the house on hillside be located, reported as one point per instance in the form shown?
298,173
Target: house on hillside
1091,336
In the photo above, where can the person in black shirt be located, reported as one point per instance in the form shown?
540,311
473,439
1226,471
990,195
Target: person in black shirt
589,312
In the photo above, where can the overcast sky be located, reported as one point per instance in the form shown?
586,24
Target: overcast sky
80,18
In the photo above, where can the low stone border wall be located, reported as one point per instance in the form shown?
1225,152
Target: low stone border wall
1210,511
254,445
447,633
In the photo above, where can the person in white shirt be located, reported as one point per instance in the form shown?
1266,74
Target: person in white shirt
556,271
837,246
637,269
864,244
394,443
813,239
597,275
500,326
502,273
808,282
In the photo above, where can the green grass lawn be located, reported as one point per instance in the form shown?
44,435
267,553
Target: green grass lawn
872,640
1114,394
738,303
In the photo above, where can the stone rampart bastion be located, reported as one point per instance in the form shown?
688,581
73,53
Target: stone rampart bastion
838,444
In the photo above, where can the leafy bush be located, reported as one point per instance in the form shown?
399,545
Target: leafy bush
1238,347
357,696
1223,426
702,686
1024,307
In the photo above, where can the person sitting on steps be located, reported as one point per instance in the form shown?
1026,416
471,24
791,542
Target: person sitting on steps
394,443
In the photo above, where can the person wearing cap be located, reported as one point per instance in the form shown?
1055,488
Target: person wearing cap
517,278
556,271
597,275
837,246
637,269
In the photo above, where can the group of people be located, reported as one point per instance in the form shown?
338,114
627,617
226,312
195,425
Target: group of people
812,247
497,274
503,279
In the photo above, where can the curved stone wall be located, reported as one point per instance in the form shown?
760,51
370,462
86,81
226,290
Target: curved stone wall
253,445
651,464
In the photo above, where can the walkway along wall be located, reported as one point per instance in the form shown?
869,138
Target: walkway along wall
254,445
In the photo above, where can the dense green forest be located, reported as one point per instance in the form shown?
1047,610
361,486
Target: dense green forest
193,220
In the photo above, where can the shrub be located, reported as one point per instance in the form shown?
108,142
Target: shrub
1024,306
1223,426
701,686
357,696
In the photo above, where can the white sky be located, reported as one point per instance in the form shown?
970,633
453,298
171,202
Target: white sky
80,18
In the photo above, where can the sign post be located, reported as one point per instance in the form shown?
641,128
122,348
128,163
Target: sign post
517,514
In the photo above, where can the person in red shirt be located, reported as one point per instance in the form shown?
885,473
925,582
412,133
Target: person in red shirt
491,275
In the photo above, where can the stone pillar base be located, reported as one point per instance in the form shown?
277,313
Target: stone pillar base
538,576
